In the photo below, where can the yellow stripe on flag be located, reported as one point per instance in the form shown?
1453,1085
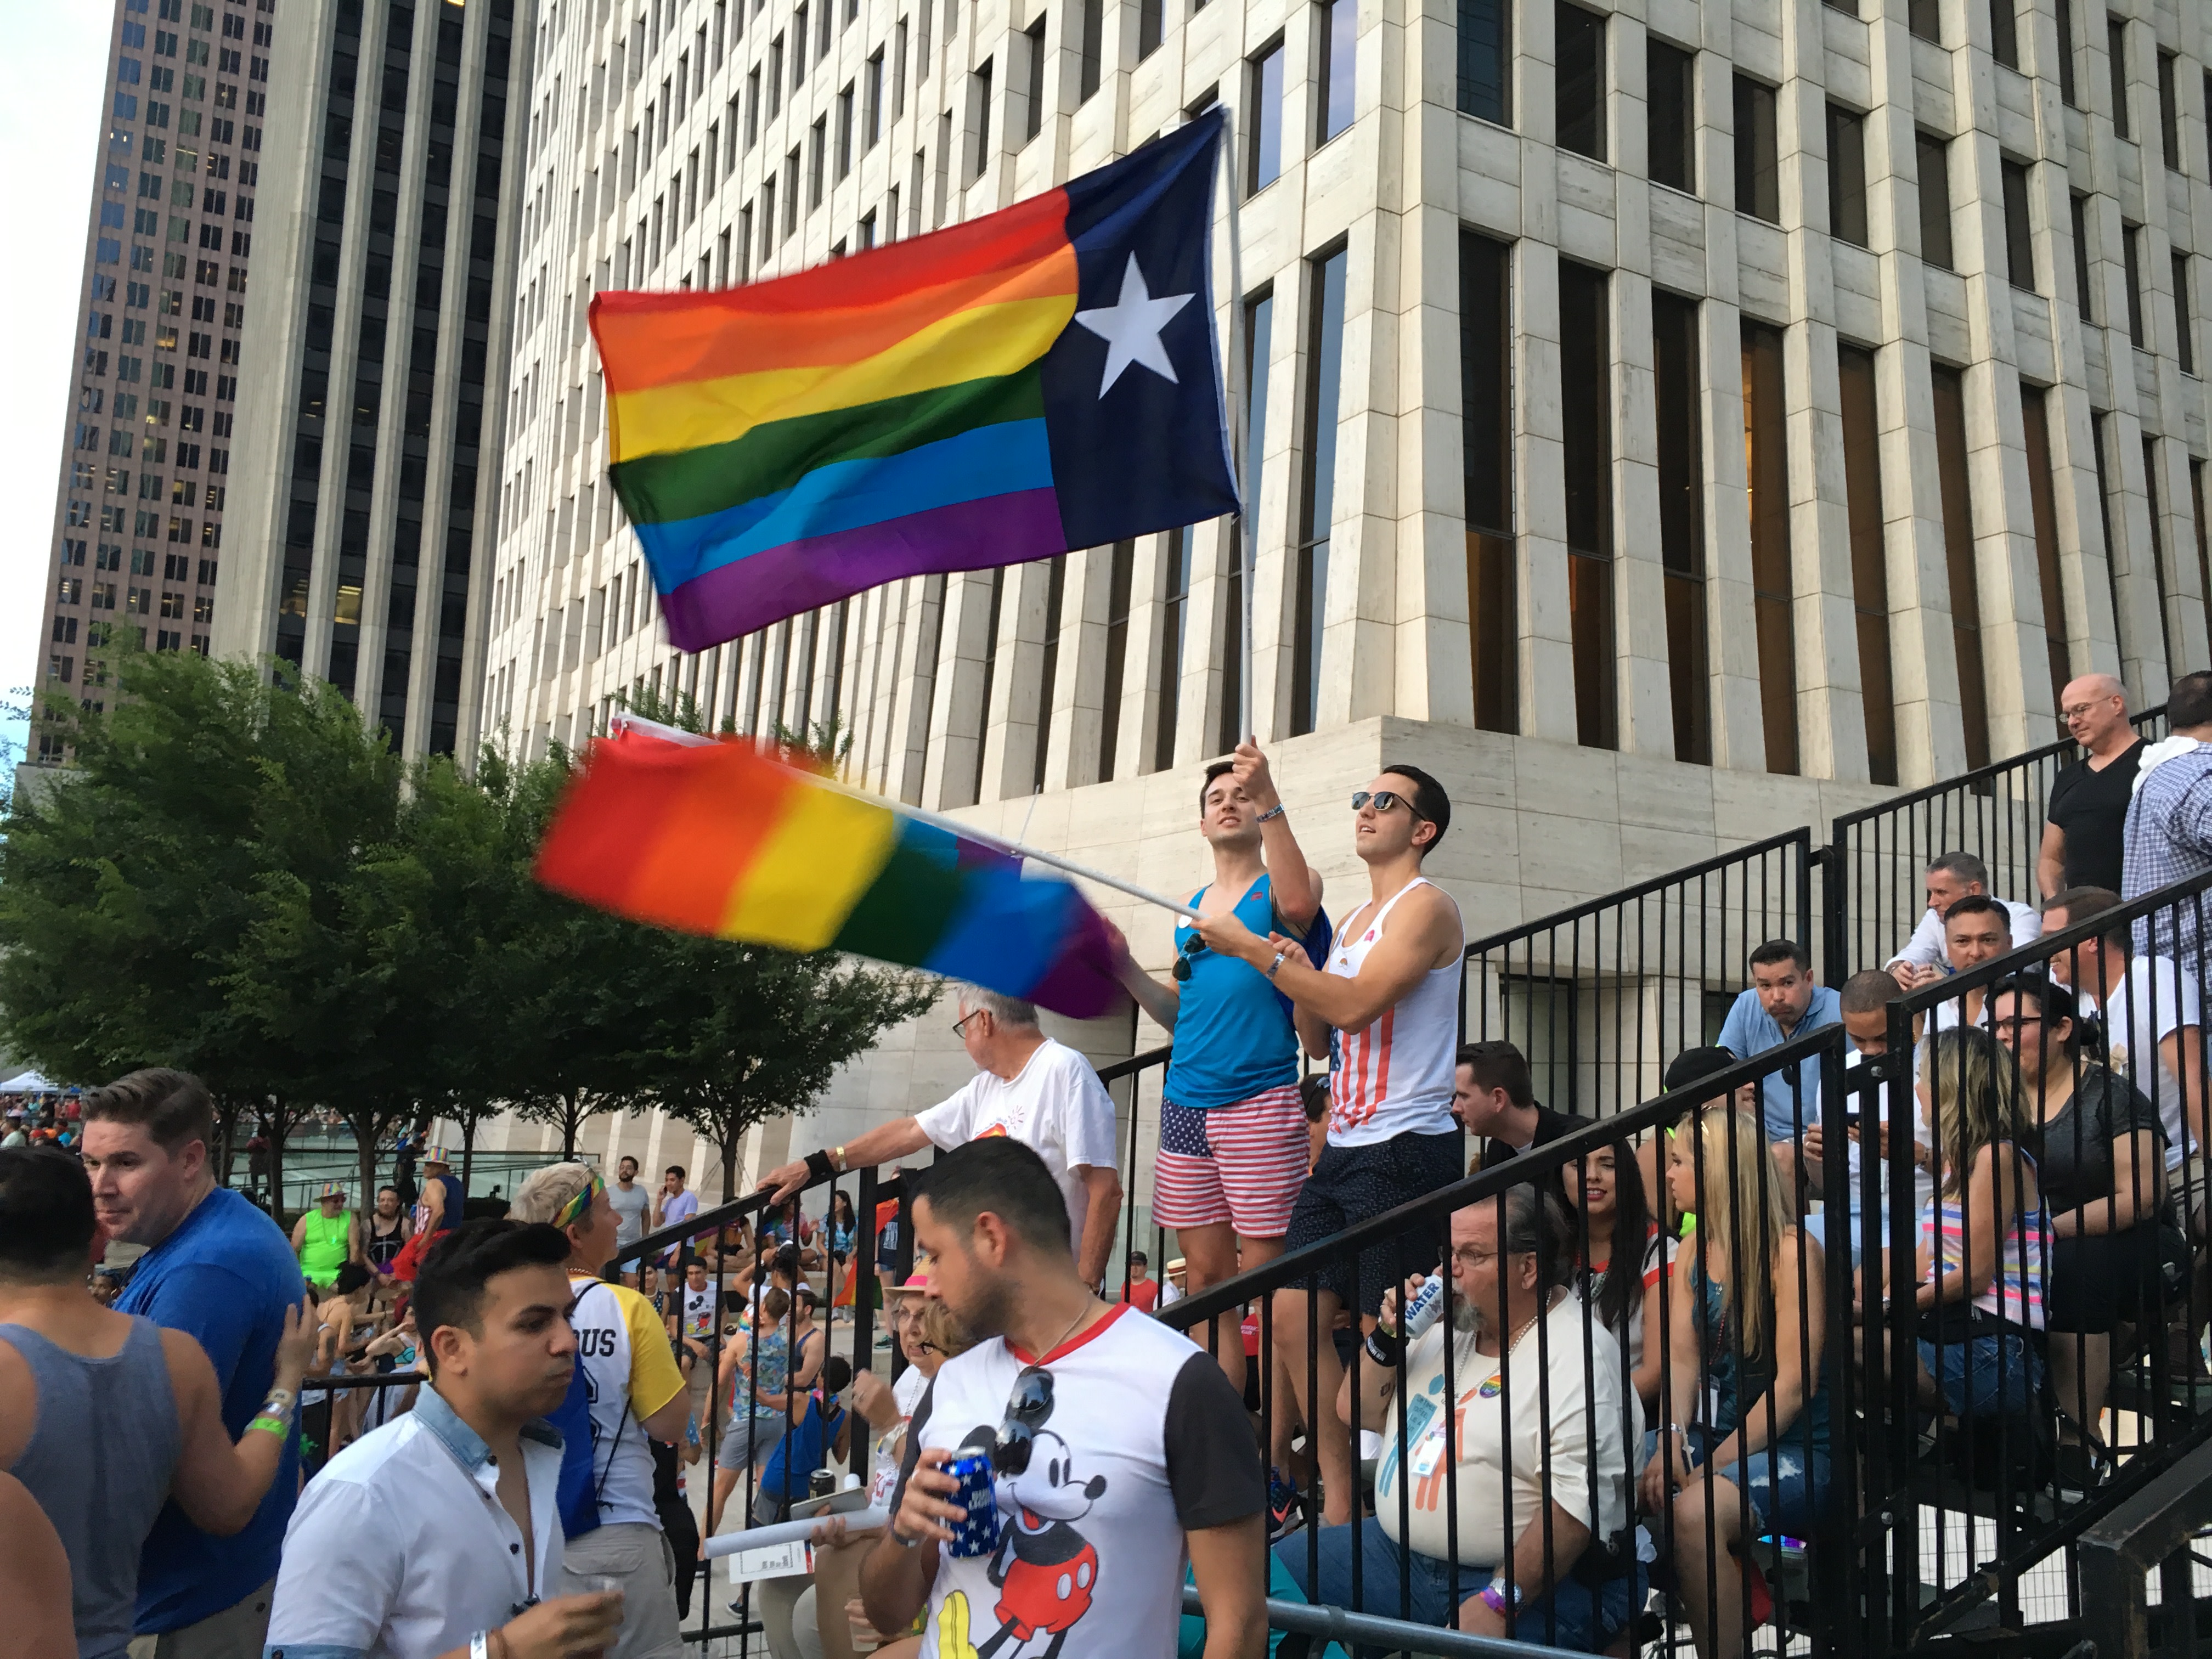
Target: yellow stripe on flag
811,870
975,345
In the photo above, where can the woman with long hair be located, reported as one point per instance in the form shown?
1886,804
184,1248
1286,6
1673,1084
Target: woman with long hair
1619,1257
1982,1269
1743,1419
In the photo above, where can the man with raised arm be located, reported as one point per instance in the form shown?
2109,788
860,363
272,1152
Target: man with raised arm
1385,1009
1039,1092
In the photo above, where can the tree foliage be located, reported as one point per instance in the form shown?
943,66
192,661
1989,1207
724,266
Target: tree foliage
237,878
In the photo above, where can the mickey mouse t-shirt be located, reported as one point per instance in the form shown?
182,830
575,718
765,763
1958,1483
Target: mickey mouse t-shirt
1091,1555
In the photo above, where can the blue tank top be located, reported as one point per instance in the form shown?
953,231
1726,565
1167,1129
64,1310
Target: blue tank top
1233,1036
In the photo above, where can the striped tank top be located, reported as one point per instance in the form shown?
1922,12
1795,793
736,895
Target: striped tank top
2015,1293
1394,1077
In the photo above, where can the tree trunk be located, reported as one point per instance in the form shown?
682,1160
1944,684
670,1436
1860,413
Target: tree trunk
365,1150
572,1118
729,1165
468,1152
274,1124
226,1124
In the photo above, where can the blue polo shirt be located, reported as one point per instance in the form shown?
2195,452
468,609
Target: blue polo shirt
225,1277
1749,1029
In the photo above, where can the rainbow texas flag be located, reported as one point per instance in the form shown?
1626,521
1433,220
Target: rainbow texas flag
1040,380
722,839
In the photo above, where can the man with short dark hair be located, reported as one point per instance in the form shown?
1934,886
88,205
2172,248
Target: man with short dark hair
1782,1003
1976,930
1119,1448
438,1536
1950,878
1143,1291
1863,1004
631,1203
1494,1096
2169,828
2085,820
221,1271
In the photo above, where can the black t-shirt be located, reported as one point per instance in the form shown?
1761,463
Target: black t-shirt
1550,1127
2092,807
2075,1166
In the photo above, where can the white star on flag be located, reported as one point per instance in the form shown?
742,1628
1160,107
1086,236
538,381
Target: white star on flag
1131,328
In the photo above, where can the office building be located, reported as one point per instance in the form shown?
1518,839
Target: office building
372,399
162,306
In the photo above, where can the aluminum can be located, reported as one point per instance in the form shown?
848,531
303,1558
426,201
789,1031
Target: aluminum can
978,1534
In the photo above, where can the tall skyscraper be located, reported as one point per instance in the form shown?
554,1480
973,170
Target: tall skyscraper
137,538
377,377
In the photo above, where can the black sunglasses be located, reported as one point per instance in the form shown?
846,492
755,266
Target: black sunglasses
1383,800
1192,947
1027,1409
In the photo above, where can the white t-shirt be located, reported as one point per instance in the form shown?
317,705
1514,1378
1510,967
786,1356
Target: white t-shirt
699,1311
1143,1439
906,1392
2154,999
1543,1373
1925,948
1923,1183
1054,1105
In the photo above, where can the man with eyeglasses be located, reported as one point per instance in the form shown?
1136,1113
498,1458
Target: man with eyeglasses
1119,1449
2085,827
1027,1086
1385,1009
1232,1153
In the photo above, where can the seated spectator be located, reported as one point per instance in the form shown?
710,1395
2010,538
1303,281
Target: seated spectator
1950,878
1782,1003
1613,1228
1540,1504
1690,1066
2102,1176
1983,1270
1976,930
1865,1000
1744,1422
820,1428
1494,1097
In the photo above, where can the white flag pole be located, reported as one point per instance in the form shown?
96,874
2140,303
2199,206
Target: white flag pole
622,722
1240,426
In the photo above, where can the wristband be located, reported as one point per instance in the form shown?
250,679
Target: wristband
1276,966
1272,813
479,1646
275,1426
279,1402
1385,1347
1494,1596
819,1166
901,1539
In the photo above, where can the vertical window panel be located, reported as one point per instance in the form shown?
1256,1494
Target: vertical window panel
2020,246
1847,197
1586,467
1933,154
1957,495
1758,180
1175,623
1339,42
1485,60
1263,106
1579,80
1324,374
2082,285
2158,550
1120,572
1869,558
2116,59
1670,106
1259,334
2131,260
1679,405
1055,597
2004,32
1767,471
1486,403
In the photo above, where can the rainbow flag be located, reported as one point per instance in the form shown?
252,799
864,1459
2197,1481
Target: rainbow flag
722,839
1039,379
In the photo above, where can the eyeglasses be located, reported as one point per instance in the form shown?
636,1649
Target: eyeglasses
960,1026
580,1205
1382,800
1027,1409
1195,945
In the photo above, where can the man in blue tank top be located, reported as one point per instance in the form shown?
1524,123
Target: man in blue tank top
1234,1149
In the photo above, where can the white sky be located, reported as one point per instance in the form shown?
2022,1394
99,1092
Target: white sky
51,121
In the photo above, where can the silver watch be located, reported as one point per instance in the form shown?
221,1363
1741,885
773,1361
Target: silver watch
279,1403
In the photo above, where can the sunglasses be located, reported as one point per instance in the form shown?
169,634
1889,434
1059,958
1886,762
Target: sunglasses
1382,800
580,1205
1027,1409
1195,945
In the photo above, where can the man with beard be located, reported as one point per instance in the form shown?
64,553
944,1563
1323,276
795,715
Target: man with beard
1537,1472
1115,1445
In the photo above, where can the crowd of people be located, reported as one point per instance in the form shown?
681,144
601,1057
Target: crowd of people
402,1431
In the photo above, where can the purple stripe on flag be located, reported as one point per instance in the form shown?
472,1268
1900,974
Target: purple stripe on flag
766,586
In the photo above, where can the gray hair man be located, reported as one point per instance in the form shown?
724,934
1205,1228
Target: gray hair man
2085,820
1028,1086
1950,878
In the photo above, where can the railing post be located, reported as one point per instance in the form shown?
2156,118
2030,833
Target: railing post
1835,910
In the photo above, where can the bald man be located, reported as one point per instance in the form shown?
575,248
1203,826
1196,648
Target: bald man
2088,809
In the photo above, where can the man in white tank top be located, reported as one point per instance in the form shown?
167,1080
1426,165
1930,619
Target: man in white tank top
1385,1010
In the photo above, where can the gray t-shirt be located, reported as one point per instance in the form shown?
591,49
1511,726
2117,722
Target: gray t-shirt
629,1211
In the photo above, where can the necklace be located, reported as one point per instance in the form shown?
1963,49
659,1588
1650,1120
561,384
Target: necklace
1081,1314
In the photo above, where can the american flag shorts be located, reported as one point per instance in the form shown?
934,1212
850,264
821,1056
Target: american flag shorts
1241,1163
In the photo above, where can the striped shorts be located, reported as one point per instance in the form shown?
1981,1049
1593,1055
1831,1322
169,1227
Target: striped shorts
1241,1163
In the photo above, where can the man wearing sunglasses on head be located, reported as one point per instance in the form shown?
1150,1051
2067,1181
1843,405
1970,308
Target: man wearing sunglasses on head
1118,1450
1385,1009
1233,1146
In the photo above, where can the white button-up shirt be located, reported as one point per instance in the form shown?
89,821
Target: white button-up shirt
1925,948
401,1546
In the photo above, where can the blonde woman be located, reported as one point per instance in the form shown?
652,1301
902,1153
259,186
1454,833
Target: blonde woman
1983,1268
1743,1416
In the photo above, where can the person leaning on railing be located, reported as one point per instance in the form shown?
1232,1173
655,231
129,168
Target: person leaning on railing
1745,1411
2102,1183
1540,1507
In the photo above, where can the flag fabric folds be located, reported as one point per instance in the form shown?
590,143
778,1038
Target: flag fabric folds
722,839
1039,379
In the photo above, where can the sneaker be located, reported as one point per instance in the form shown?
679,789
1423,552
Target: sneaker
1285,1510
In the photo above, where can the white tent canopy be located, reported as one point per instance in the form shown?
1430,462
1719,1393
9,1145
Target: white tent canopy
26,1083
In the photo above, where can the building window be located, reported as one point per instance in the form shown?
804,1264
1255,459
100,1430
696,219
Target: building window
1324,366
2158,547
2105,522
1259,337
872,101
1676,379
1586,468
1093,39
1935,159
1486,406
2020,246
2185,329
2004,32
1766,472
2080,206
1579,43
2044,507
817,143
2116,53
1121,577
1056,600
1263,103
845,132
2066,92
979,120
2203,538
1925,19
1485,60
1758,181
1670,111
1152,23
1847,203
1033,96
2169,111
1174,618
1861,425
1339,40
2131,259
1950,395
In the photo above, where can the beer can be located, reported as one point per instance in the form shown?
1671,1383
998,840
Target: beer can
978,1535
821,1483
